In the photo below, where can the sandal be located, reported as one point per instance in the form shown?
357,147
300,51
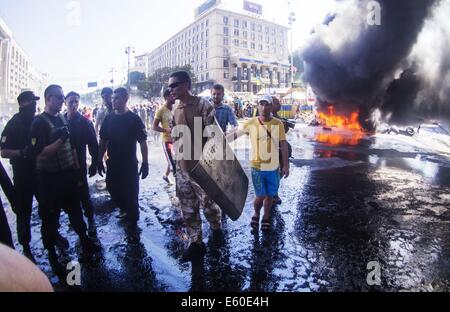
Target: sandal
255,222
265,225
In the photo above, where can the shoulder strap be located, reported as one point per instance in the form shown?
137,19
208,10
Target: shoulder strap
45,118
265,128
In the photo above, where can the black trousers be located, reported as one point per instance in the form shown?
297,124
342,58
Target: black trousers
25,187
85,197
5,231
122,183
59,191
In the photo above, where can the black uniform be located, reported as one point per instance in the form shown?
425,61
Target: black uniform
57,180
123,132
5,231
82,134
16,136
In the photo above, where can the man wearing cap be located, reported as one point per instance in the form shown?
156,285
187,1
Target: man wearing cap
82,134
16,146
267,137
105,109
224,113
57,165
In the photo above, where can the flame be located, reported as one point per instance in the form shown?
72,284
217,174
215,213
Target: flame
333,120
339,139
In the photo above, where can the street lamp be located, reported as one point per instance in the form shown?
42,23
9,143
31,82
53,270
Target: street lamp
112,71
291,21
129,50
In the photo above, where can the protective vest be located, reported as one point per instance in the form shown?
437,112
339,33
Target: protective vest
63,159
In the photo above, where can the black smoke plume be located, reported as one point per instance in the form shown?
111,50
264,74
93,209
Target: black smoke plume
356,66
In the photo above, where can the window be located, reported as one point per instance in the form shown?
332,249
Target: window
225,20
236,42
253,36
236,22
226,52
206,33
252,26
259,28
226,64
267,30
225,31
260,47
253,46
225,41
207,76
207,23
245,34
244,44
226,75
236,32
244,24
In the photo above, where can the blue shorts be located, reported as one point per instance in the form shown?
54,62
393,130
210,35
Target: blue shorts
265,183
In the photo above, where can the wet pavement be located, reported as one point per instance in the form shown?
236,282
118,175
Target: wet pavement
385,200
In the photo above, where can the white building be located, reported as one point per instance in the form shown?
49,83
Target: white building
242,51
17,72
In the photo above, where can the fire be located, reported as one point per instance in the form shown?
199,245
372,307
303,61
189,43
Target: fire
333,120
339,139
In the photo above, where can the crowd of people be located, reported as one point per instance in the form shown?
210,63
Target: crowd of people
48,153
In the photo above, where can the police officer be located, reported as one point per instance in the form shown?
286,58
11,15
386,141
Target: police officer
57,165
5,231
82,134
16,146
119,135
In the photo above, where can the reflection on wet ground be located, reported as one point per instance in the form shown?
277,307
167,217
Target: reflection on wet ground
343,207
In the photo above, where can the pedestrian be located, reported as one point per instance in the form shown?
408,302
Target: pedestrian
8,189
224,113
164,117
276,107
268,138
105,109
82,135
57,173
16,146
119,135
191,195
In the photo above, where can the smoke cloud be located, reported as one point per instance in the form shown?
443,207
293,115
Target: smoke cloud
401,67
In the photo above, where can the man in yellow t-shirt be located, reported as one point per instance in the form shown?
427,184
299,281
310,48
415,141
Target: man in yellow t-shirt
267,137
164,117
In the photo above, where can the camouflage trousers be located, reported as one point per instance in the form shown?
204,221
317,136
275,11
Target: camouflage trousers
192,197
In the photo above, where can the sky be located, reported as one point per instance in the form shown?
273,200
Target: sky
77,42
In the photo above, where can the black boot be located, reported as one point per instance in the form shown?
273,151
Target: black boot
196,251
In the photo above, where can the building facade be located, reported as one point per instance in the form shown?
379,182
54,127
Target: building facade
17,72
242,51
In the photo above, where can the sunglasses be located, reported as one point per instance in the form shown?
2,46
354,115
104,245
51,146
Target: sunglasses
175,84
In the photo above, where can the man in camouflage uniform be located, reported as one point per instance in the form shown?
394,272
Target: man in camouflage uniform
190,194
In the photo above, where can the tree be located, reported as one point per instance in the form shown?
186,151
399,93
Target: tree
159,79
298,63
136,77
